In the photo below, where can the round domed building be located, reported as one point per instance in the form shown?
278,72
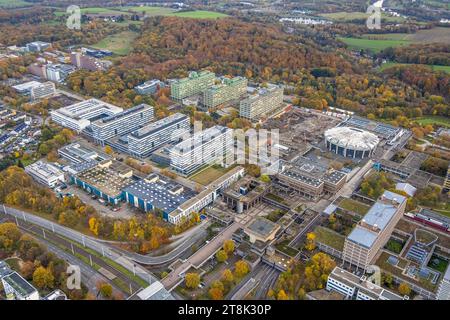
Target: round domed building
351,142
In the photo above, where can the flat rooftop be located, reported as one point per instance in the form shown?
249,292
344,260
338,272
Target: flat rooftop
44,169
362,236
80,152
83,109
383,130
159,125
200,138
107,120
262,227
161,192
108,179
20,285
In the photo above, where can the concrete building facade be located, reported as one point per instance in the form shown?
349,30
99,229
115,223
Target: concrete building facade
194,84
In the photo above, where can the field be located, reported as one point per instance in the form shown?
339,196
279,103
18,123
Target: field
208,175
350,16
433,67
433,120
200,15
120,43
14,3
372,44
438,34
149,11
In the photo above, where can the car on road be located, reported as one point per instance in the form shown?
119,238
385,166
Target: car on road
94,197
101,201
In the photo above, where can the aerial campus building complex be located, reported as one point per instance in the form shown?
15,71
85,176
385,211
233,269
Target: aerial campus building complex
228,90
121,123
80,115
374,230
147,139
351,142
194,84
206,147
262,103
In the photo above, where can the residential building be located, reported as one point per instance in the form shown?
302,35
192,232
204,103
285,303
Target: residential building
121,123
106,180
228,90
209,146
374,230
142,142
309,178
80,115
149,87
263,103
444,287
45,173
354,287
17,288
194,84
37,46
45,90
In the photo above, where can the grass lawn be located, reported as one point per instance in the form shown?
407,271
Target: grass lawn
148,10
283,247
433,120
120,43
200,14
354,206
349,16
373,45
208,175
329,238
14,3
438,264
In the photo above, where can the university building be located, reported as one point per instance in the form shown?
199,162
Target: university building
142,142
206,147
228,90
194,84
374,230
261,104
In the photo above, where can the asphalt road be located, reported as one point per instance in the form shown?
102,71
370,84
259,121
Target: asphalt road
60,245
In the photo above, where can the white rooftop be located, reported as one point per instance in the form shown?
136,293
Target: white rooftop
352,138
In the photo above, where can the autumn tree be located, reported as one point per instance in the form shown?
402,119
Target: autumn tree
241,268
109,150
221,256
227,276
216,290
310,241
404,289
104,289
192,280
228,246
43,278
282,295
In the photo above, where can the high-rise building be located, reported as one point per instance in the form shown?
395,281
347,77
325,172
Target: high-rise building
121,123
80,115
228,90
374,230
209,146
144,141
444,287
87,62
196,83
265,101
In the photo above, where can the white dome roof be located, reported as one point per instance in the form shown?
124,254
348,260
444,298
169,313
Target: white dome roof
352,138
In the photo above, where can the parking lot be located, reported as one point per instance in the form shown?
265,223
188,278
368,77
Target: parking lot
125,211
